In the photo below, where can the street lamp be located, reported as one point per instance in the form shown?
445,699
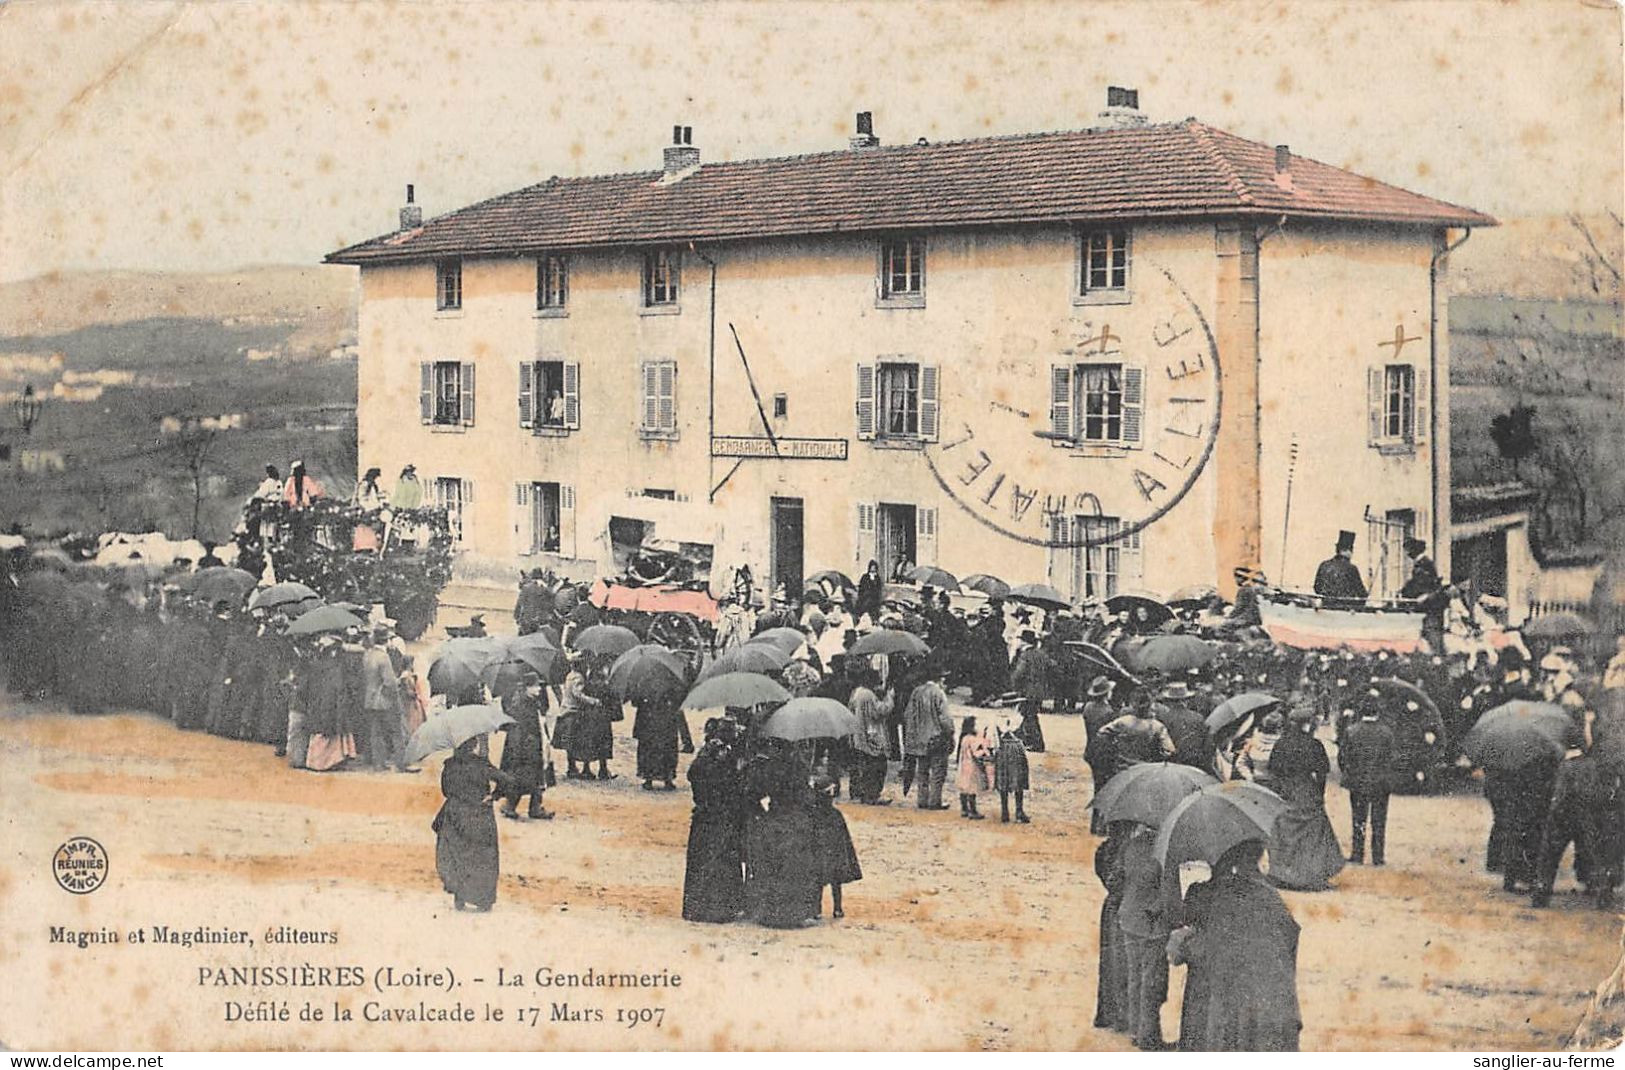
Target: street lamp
28,409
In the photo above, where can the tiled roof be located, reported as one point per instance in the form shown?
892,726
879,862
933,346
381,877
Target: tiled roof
1173,170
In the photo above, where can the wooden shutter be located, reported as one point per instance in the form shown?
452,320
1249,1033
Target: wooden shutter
572,396
426,392
930,388
1060,405
866,402
523,536
1133,404
866,535
925,536
1130,560
467,383
1059,558
527,393
1420,412
651,396
567,520
1373,403
1420,530
668,395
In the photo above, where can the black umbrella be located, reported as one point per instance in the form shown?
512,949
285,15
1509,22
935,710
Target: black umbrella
1513,735
1041,595
605,639
647,672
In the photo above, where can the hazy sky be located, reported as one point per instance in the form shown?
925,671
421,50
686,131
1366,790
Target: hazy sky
200,136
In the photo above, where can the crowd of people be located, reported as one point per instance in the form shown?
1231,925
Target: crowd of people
766,833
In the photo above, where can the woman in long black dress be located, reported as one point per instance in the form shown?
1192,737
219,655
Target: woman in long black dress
1303,849
835,860
465,847
714,878
1111,993
781,882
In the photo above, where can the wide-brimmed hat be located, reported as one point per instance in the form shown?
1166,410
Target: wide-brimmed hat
1100,687
1177,689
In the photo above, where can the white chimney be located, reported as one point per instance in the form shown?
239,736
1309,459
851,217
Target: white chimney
411,213
1122,109
681,157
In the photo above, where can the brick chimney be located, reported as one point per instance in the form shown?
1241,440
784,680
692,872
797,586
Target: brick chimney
865,137
681,155
1122,109
1283,167
411,213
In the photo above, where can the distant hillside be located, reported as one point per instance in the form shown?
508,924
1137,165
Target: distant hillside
118,356
317,303
1554,258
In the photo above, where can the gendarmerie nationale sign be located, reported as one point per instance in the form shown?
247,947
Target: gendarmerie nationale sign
783,449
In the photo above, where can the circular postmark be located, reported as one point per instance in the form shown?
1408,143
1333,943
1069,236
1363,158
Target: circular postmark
80,865
1127,421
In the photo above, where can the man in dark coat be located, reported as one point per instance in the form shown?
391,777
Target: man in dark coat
1034,677
1136,736
524,748
1587,798
1111,991
1099,752
1186,728
1366,758
990,654
1337,579
1428,592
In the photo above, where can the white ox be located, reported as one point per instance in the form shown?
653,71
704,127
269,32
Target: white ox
156,549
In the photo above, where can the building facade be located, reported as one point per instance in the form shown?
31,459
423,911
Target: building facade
1132,357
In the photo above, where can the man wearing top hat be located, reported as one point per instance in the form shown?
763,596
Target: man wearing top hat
1337,578
1425,588
525,747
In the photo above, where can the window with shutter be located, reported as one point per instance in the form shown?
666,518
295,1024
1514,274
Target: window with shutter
866,534
925,536
668,396
527,390
572,396
930,386
1059,557
426,392
524,539
468,395
1373,402
1421,415
866,401
567,520
1062,432
1133,404
651,396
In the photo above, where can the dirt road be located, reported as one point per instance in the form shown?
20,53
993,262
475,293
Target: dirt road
961,936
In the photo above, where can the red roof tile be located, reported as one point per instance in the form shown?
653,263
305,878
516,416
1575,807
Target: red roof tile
1174,170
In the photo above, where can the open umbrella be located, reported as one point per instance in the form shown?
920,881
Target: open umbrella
1147,791
752,657
506,666
830,578
646,672
460,664
450,730
1041,595
810,718
281,594
736,689
221,584
609,639
786,639
1195,594
1409,703
1207,823
325,619
991,586
931,576
1562,625
1515,734
1235,709
1173,653
891,641
503,677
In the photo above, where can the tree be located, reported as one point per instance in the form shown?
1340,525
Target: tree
1514,434
192,445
